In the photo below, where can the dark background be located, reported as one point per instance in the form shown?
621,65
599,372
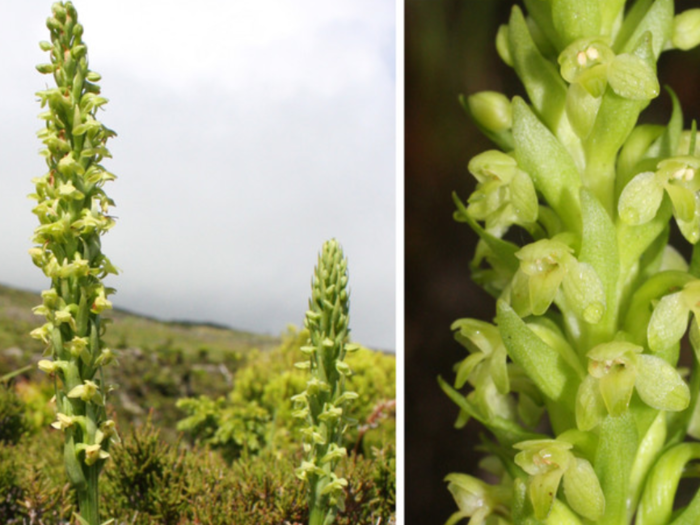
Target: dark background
450,50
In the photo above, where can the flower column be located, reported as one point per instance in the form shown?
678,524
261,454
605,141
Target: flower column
72,209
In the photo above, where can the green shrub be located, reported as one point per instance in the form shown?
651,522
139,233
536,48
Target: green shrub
13,423
147,482
33,486
267,381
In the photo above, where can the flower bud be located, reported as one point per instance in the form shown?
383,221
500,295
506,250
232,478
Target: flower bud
491,110
686,29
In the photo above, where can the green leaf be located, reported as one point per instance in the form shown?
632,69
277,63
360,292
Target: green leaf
545,87
668,143
617,447
551,167
504,250
660,385
599,248
609,10
523,197
574,19
547,369
656,504
658,22
507,432
635,151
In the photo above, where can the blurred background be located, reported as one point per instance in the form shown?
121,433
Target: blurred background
449,51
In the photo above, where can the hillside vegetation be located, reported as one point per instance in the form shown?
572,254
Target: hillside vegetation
203,412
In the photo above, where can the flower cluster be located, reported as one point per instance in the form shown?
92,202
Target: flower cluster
593,304
323,404
73,212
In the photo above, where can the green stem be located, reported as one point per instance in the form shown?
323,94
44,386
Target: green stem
88,499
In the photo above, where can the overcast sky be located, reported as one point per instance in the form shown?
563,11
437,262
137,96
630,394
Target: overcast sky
248,133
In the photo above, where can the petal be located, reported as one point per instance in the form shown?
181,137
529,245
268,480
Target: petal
543,489
544,287
583,491
683,201
616,388
590,408
523,197
668,322
691,229
632,78
466,367
584,292
640,199
499,370
660,385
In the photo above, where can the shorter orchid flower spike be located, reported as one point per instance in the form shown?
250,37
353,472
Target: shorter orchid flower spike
618,368
547,461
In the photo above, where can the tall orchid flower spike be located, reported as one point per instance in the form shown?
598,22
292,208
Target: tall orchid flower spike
72,209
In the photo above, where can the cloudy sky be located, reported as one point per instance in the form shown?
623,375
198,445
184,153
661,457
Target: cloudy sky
248,133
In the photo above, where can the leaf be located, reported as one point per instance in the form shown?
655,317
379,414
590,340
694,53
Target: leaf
658,23
656,503
545,87
574,19
547,369
504,250
551,167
